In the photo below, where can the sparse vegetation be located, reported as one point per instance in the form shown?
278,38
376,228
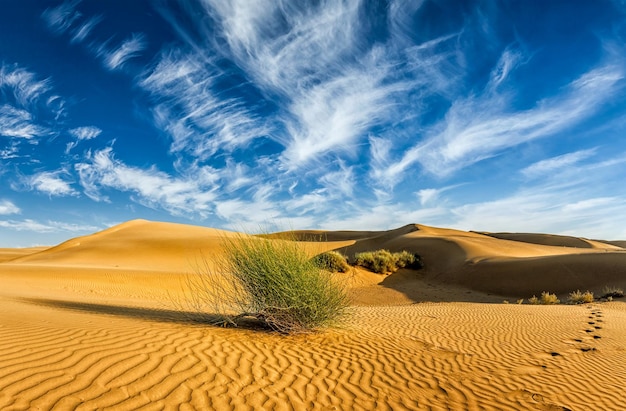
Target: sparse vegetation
577,297
273,281
520,301
612,292
383,261
332,261
546,299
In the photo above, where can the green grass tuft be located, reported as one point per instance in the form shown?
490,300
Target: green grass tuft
273,281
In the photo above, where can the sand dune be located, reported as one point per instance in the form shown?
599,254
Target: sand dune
94,323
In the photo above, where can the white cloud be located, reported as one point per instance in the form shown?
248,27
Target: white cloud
509,60
130,48
333,86
190,109
555,164
191,194
333,116
428,195
46,227
339,183
16,122
24,86
7,207
85,133
475,129
61,18
51,183
11,151
27,104
81,33
571,202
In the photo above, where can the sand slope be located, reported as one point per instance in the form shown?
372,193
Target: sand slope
94,324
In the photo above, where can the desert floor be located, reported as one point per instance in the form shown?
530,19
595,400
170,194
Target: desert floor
99,322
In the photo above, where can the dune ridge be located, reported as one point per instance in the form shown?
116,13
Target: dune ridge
94,323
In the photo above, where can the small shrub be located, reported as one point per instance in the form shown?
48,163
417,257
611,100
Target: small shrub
521,300
547,298
505,302
383,261
380,261
577,297
404,259
613,292
332,261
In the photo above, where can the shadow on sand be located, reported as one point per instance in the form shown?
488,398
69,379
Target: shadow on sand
148,314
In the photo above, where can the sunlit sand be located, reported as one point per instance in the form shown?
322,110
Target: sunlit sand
96,323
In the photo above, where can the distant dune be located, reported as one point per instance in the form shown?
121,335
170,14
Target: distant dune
100,322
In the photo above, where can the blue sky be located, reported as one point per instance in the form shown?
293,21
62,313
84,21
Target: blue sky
486,115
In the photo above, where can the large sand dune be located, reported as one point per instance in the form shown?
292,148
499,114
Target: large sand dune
96,323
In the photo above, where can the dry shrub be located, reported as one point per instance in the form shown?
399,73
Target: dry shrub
546,299
612,292
577,297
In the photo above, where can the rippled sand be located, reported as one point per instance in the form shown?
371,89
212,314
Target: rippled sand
94,324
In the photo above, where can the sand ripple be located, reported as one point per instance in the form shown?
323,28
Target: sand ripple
423,356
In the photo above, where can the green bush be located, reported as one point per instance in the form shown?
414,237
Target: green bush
331,261
273,281
577,297
383,261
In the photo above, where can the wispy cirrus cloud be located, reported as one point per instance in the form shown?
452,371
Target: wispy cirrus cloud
81,32
52,183
332,85
47,226
477,128
551,165
17,122
85,133
61,18
82,134
27,103
7,207
22,84
192,111
114,59
191,194
66,19
9,152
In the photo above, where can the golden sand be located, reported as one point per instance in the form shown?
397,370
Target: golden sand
93,324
